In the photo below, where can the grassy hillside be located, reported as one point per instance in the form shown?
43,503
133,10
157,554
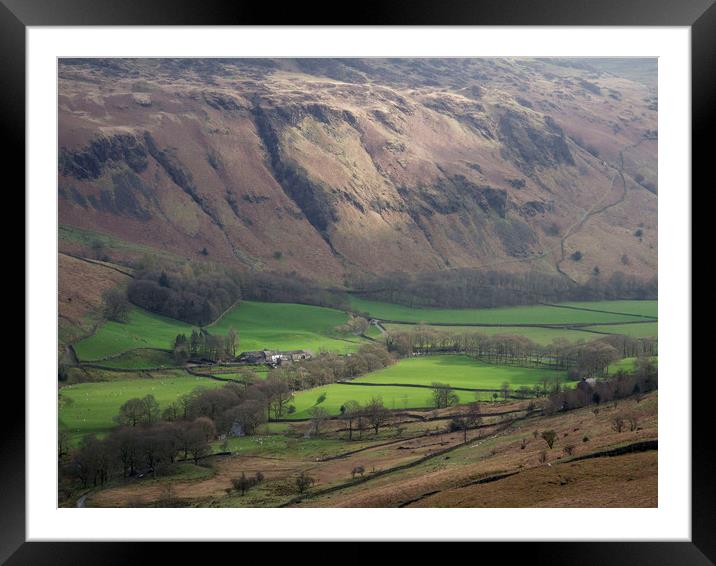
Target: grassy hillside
286,326
536,314
260,325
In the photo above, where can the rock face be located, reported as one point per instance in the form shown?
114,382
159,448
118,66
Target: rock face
350,166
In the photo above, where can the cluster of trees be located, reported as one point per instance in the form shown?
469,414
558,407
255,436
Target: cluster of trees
148,440
471,418
371,415
130,450
197,295
462,288
115,305
585,359
329,367
205,346
354,325
290,288
643,379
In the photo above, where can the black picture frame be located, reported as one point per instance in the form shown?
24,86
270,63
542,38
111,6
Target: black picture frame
699,15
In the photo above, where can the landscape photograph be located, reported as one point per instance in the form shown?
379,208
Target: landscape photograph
357,282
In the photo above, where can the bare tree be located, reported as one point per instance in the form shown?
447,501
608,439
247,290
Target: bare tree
443,395
376,413
618,423
318,416
244,483
304,482
350,411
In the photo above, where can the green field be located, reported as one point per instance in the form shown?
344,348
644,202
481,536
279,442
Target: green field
393,397
279,326
287,326
626,364
142,330
92,406
641,330
458,371
141,358
640,308
535,314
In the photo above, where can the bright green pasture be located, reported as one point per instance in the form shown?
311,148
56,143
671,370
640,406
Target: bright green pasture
641,330
627,364
374,332
458,371
534,314
141,359
286,326
259,325
536,334
89,408
393,397
142,330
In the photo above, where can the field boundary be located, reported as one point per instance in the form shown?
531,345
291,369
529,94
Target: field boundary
394,469
106,264
548,325
647,316
421,386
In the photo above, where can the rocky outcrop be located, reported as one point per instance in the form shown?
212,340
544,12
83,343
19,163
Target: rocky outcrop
90,162
531,145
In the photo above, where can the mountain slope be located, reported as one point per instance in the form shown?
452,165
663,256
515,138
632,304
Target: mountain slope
332,168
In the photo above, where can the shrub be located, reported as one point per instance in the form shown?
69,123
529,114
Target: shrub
549,436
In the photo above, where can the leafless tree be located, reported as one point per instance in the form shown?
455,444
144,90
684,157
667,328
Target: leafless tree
304,482
376,413
318,416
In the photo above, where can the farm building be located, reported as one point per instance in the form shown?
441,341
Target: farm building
258,357
274,357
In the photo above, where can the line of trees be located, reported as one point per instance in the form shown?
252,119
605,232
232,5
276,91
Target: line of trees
583,359
373,414
462,288
132,450
184,292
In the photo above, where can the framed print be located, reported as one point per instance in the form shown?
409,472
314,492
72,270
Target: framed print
395,278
